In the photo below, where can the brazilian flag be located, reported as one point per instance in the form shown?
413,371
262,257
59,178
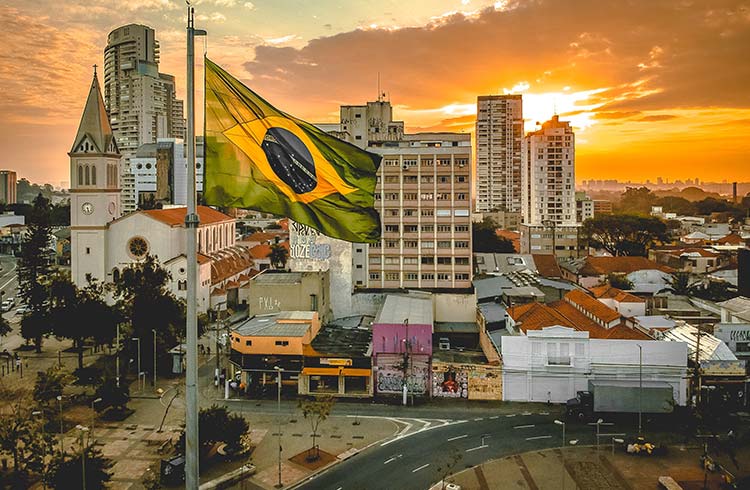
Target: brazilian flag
260,158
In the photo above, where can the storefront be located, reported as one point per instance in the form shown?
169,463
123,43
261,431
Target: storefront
339,381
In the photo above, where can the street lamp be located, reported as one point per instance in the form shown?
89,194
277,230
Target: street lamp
562,453
278,416
598,425
138,340
640,390
93,414
62,436
82,430
154,330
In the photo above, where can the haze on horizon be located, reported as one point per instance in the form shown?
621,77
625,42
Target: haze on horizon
653,88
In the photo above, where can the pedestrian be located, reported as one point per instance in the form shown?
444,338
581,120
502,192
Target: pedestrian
208,350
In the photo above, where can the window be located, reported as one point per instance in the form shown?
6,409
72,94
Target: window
248,343
182,285
444,244
391,276
461,212
410,196
428,277
444,260
88,251
115,275
427,196
443,212
428,228
392,228
428,260
443,277
314,302
411,261
462,260
411,276
391,163
461,244
137,247
410,179
462,277
428,212
375,260
410,244
411,228
392,260
358,137
282,343
374,276
460,196
462,228
428,244
444,228
88,175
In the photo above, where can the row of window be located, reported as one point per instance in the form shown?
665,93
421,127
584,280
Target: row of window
413,276
425,196
425,162
392,243
425,228
424,179
424,212
423,260
248,343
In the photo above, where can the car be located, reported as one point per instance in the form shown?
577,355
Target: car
6,306
21,310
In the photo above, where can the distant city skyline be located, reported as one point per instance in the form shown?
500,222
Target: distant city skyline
666,99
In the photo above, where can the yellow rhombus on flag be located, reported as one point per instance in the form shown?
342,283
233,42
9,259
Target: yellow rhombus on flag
260,158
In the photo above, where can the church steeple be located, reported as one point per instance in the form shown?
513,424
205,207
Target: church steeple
94,132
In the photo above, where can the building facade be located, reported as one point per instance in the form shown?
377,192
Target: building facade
361,124
160,171
584,207
423,196
499,132
8,184
548,175
141,102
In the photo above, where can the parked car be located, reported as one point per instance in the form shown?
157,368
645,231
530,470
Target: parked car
22,310
6,306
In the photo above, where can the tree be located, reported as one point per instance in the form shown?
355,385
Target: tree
67,471
619,281
144,298
452,459
485,239
681,284
80,314
49,384
714,291
34,269
22,435
217,425
675,204
278,256
316,411
624,234
113,396
637,200
5,327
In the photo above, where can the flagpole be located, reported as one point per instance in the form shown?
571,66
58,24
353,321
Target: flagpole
192,221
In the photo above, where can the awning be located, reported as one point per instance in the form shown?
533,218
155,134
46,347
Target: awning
357,372
335,371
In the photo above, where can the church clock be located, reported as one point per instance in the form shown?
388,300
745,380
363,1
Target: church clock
87,208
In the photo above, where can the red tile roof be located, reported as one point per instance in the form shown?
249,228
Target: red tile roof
547,265
610,292
693,251
591,305
731,239
264,249
176,216
230,262
513,236
266,236
596,266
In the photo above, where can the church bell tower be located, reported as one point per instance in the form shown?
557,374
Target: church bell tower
94,189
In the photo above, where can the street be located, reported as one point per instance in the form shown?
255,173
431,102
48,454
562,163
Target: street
8,286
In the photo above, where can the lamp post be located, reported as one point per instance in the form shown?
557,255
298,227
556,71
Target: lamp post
640,390
93,414
598,425
82,430
117,358
154,331
138,340
562,454
62,437
38,413
278,416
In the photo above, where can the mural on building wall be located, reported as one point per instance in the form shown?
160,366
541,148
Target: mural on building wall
485,384
390,379
450,383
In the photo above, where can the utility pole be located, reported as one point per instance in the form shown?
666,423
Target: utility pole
697,369
278,416
640,390
192,220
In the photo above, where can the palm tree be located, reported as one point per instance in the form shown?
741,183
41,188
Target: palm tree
681,284
278,256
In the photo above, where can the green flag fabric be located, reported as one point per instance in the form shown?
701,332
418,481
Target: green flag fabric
260,158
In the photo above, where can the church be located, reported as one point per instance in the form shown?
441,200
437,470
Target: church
103,241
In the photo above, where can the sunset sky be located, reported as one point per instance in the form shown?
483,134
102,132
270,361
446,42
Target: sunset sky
654,88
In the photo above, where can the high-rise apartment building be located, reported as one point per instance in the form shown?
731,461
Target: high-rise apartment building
160,170
499,131
8,186
141,102
423,196
369,123
548,174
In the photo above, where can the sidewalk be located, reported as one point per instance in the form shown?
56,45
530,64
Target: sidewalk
587,469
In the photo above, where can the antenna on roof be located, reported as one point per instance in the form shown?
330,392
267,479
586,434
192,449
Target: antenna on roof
380,96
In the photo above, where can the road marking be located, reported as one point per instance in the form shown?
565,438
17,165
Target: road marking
494,417
401,435
543,413
339,488
511,415
524,426
538,437
525,414
392,459
480,418
458,437
477,448
420,468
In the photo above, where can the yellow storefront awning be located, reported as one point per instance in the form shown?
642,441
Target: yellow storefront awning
357,372
335,371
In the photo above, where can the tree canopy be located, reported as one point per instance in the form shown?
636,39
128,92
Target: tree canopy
485,239
624,234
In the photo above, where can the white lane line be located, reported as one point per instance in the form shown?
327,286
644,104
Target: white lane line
458,437
538,437
339,488
480,418
494,417
477,448
543,413
511,415
524,426
392,459
420,468
525,414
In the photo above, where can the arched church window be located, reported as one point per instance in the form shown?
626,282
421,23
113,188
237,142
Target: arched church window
88,175
115,275
138,247
80,174
93,175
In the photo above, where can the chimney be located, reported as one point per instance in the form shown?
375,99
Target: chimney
734,192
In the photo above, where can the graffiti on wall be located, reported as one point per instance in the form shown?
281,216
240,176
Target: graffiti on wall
450,384
485,384
391,380
268,303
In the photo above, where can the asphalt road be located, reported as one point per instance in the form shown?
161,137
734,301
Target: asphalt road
413,461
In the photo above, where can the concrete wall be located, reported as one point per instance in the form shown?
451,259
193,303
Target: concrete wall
389,338
455,307
273,298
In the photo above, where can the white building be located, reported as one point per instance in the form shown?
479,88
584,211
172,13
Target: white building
104,240
552,364
141,102
548,175
160,170
361,124
499,131
584,207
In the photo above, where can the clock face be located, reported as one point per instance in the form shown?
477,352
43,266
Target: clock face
112,208
87,208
